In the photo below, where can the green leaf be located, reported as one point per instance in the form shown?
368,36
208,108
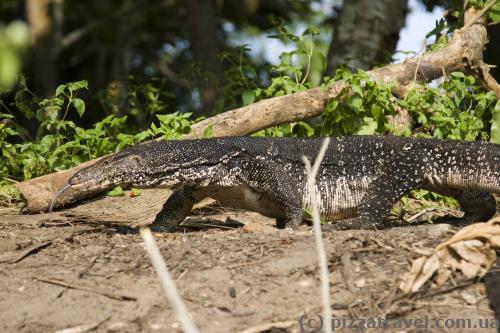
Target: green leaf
458,75
286,58
248,97
313,31
376,111
495,124
79,105
494,13
209,132
422,119
357,89
74,86
355,103
60,89
116,192
369,127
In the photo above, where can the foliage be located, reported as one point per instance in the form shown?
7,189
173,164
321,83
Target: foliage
116,192
493,13
240,80
362,107
60,143
456,109
140,102
242,84
495,124
454,18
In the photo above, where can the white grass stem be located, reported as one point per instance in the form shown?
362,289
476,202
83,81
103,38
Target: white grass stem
320,246
168,284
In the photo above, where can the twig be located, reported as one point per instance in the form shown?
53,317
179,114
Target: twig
74,36
207,223
320,246
167,283
181,276
489,80
119,297
421,294
481,13
424,47
84,328
92,262
30,250
267,327
422,212
165,69
10,180
309,58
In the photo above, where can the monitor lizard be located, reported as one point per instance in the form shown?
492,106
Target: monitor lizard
359,180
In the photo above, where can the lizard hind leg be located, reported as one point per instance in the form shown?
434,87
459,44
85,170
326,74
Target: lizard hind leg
477,207
397,179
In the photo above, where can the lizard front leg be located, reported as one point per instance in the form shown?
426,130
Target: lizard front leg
175,210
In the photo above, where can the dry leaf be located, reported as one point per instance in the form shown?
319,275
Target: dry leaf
471,251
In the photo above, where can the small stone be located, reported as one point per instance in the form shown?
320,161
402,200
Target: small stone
360,283
232,292
117,326
305,283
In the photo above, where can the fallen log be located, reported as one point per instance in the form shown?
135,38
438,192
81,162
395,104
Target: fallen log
463,53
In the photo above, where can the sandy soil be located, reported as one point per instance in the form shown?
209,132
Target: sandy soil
64,271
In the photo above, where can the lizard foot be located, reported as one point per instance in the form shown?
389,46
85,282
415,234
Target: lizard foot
162,225
457,221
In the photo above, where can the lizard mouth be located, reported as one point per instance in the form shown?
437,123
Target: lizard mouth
84,189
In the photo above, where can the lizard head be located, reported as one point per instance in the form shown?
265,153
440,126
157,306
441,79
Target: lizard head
122,169
144,165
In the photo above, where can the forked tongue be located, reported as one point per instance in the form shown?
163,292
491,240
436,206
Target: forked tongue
58,194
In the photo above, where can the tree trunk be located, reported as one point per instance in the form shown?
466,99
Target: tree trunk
366,32
45,20
201,26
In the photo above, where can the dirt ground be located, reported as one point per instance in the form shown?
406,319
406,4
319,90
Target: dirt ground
79,270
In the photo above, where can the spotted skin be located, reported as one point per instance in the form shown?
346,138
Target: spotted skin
359,181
